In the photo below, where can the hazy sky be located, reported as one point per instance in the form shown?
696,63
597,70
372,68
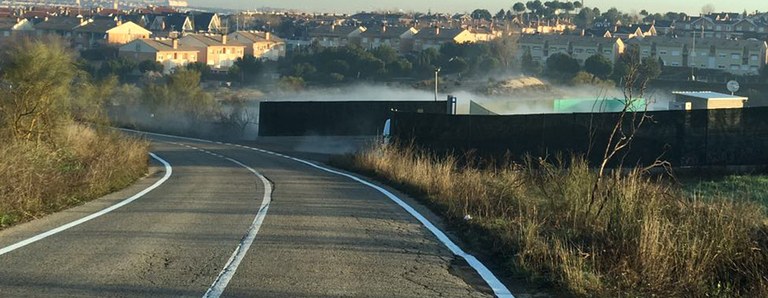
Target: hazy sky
348,6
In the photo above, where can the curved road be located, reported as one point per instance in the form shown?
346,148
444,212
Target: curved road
322,235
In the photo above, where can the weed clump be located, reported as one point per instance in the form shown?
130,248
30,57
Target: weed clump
650,238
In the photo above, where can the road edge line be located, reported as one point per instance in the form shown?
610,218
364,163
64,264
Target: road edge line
41,236
227,273
499,289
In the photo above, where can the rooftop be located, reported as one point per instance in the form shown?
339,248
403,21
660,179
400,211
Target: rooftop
709,95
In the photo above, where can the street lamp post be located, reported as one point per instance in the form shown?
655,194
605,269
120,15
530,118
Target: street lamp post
437,71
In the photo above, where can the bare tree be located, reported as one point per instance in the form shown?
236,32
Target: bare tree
628,123
707,9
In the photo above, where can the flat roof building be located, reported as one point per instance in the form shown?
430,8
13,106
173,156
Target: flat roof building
706,100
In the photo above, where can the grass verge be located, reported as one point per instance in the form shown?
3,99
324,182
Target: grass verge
752,188
537,218
82,163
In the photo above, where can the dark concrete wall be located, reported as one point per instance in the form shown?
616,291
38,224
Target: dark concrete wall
684,138
341,118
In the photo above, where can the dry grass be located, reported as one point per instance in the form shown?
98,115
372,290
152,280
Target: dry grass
649,239
81,164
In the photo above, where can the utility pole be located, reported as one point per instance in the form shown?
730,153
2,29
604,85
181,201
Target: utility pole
693,54
437,71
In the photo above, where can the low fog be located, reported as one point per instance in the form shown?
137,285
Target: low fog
512,103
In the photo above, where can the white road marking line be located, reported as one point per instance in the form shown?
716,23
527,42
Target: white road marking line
499,289
28,241
226,274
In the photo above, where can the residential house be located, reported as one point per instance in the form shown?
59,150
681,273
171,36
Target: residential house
207,22
216,51
370,19
748,28
336,36
143,20
631,31
484,33
168,52
171,25
398,38
725,16
126,32
725,26
262,45
579,47
108,12
92,32
435,37
61,26
14,27
546,27
664,27
739,57
705,27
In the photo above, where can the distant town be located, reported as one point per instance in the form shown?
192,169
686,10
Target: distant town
712,46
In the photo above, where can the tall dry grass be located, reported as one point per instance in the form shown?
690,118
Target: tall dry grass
649,239
80,164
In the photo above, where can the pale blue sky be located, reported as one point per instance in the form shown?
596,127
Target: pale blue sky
347,6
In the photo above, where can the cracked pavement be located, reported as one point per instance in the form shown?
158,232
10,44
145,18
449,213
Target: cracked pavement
324,235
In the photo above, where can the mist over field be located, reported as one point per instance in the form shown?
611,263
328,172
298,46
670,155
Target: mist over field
524,101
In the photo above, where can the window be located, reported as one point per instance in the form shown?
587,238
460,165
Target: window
735,56
675,53
579,51
719,28
537,48
721,66
607,51
734,67
590,51
675,64
722,55
753,58
662,52
645,52
7,33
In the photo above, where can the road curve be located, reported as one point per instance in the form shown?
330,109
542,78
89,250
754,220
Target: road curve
323,235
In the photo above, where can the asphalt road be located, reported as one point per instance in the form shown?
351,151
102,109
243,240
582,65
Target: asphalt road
322,235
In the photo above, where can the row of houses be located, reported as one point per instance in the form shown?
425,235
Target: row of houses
97,28
402,39
218,51
736,27
738,57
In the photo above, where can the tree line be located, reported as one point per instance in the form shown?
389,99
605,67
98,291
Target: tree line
563,68
354,63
